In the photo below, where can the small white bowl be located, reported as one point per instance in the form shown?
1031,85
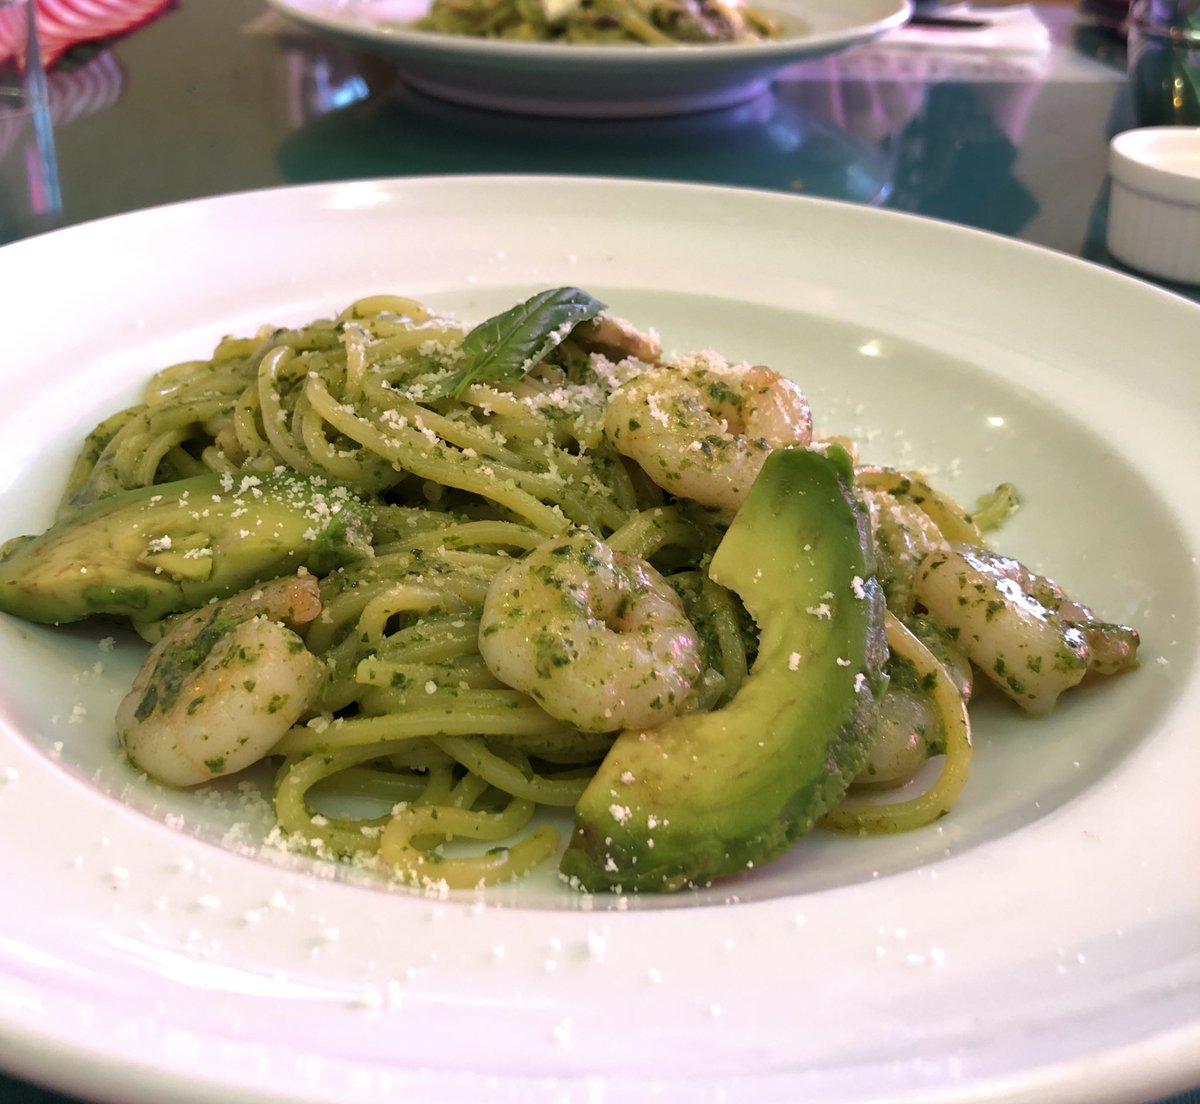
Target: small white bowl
1154,207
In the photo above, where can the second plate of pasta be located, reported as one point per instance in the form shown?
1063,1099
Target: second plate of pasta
626,78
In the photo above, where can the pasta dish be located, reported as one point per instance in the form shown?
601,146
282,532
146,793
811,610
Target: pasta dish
455,584
600,22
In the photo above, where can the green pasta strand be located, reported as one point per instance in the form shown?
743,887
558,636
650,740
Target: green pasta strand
399,849
514,778
449,717
341,836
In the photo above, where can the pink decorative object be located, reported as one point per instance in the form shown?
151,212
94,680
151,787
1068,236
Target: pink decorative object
66,23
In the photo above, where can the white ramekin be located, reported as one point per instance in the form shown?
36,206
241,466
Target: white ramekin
1154,206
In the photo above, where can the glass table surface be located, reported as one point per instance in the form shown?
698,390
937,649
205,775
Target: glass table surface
228,96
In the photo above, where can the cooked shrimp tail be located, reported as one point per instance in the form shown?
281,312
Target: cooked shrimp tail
1017,627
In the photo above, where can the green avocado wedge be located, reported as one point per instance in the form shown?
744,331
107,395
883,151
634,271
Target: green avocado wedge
156,550
707,795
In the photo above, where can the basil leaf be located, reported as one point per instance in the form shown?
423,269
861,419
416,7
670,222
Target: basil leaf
509,345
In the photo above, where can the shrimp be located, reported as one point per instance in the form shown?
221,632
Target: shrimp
617,339
598,638
703,429
221,688
1018,627
904,535
907,733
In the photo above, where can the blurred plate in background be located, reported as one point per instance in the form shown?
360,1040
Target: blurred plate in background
546,78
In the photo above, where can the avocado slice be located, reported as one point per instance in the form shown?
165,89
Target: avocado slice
157,550
711,794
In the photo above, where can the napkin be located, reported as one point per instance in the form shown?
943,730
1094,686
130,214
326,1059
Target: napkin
1009,29
66,23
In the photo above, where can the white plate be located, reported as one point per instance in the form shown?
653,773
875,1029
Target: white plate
552,79
1039,944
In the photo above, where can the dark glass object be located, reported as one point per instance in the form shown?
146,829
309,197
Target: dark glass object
1164,62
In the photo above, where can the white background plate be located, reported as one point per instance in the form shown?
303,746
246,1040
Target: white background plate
553,79
1040,944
